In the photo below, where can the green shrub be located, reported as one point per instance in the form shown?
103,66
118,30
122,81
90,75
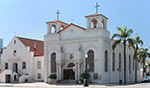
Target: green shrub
84,75
52,76
148,73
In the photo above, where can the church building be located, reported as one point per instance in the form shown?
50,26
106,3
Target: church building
67,45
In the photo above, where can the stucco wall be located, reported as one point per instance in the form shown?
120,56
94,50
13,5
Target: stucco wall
72,39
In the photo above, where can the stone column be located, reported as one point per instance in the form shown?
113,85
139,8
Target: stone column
57,71
78,71
62,71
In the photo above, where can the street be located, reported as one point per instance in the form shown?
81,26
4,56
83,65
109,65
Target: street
44,85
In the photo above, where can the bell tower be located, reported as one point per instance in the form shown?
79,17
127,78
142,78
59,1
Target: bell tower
56,26
96,21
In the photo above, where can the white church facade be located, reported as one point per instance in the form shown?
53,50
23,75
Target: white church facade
22,61
65,47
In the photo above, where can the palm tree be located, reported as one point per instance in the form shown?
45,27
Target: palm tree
143,54
122,36
134,43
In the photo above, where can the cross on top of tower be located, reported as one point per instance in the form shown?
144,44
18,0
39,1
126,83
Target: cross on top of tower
57,13
97,6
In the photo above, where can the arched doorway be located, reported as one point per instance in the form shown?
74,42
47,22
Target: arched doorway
69,73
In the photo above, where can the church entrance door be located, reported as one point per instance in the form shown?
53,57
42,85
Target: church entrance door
69,74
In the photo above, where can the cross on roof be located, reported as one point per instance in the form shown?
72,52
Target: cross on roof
97,6
57,13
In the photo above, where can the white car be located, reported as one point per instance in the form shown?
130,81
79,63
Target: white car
146,79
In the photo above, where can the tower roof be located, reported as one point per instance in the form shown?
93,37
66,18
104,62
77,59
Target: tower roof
93,15
58,21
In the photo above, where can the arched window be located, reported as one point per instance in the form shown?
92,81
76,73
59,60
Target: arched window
119,61
53,29
94,23
113,61
91,60
129,63
53,62
61,28
106,61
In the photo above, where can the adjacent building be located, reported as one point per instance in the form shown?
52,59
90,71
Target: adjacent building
1,46
23,61
67,45
1,43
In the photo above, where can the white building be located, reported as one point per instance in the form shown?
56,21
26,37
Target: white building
65,47
22,61
1,43
1,46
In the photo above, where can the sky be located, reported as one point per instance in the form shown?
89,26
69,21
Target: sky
27,18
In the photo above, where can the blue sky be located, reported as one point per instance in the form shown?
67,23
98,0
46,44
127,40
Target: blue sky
27,18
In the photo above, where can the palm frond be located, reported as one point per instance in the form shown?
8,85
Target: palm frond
129,32
115,44
115,35
131,42
125,29
141,42
134,53
120,30
137,38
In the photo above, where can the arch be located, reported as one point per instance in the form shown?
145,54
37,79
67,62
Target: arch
106,61
103,23
55,49
61,27
53,29
119,61
113,61
129,63
71,65
94,23
53,62
90,60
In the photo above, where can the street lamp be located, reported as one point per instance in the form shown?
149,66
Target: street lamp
86,81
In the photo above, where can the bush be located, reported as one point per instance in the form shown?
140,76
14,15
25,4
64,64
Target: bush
52,76
84,75
148,73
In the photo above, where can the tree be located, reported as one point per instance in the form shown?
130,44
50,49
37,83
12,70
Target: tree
134,43
143,54
122,36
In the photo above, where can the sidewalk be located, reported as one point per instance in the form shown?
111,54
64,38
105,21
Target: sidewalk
45,85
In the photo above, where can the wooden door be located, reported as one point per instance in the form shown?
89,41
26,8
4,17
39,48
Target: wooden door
8,78
69,74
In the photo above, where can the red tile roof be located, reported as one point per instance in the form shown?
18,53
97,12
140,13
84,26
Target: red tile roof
39,50
73,25
96,15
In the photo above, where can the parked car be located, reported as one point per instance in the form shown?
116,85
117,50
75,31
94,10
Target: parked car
146,79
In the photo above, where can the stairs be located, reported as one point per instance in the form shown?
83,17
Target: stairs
68,82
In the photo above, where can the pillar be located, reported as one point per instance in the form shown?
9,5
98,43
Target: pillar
57,71
79,71
76,71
